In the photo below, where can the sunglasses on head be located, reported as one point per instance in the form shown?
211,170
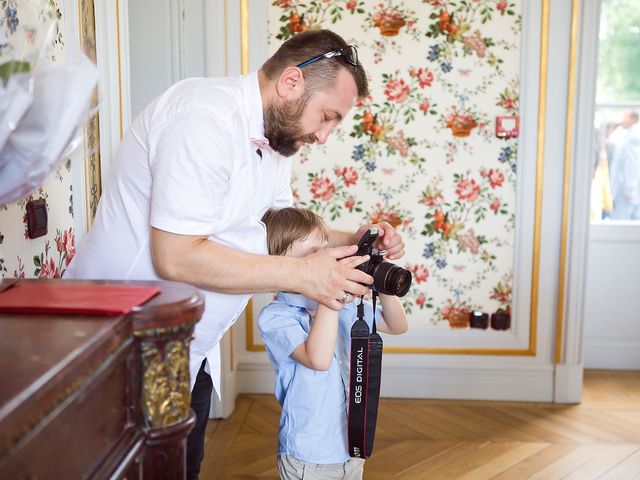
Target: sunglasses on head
349,53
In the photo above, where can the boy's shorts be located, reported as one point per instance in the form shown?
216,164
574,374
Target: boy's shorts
291,468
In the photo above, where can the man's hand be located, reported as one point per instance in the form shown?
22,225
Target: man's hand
388,239
330,273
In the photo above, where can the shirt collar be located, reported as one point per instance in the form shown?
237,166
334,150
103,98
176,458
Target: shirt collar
253,104
297,300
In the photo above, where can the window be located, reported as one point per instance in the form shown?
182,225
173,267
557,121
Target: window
615,192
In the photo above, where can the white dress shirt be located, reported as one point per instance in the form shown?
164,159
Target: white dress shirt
187,166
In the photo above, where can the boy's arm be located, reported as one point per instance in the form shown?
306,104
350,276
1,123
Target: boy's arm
316,352
394,320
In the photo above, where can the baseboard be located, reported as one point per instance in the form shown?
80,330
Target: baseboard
255,377
568,384
531,383
612,354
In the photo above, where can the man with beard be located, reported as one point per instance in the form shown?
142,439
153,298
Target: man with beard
195,173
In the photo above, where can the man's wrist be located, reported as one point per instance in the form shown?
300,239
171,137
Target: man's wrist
291,275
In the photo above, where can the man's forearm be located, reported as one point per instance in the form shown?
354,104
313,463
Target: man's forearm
213,266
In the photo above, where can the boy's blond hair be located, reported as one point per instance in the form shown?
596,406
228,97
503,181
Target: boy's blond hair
289,225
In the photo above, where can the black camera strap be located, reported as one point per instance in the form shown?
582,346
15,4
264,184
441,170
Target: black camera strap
358,391
373,387
364,390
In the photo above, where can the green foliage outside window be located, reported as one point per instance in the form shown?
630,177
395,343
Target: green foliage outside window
619,51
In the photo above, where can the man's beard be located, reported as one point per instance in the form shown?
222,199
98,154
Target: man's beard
282,127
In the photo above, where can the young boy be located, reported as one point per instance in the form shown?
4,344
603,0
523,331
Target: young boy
308,345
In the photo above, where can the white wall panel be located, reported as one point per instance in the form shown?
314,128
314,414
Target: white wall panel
612,298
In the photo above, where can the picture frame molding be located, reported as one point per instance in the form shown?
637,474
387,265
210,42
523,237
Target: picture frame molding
528,237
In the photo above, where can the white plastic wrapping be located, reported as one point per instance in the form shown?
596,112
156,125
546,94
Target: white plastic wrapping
42,109
15,98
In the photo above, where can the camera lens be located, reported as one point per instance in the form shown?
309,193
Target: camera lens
391,279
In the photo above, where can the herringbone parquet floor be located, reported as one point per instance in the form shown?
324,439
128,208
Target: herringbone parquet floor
462,440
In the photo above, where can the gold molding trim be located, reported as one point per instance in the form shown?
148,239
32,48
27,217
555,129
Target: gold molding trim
119,66
166,398
91,129
566,188
244,20
251,346
244,36
92,162
542,117
226,39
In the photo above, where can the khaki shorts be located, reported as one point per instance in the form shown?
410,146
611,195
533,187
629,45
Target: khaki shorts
291,468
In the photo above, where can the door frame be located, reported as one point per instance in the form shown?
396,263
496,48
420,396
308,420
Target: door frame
576,201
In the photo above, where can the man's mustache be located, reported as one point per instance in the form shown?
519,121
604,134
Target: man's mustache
310,139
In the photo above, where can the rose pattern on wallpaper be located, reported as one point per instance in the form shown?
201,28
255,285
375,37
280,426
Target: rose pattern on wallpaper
421,151
21,257
46,266
377,125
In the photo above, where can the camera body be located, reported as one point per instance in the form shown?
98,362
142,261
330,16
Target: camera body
387,277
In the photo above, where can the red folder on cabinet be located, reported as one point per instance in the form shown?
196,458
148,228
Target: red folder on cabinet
70,297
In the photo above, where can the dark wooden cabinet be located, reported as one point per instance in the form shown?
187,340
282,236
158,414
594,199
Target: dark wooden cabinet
85,396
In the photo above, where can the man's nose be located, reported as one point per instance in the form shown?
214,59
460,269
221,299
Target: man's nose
322,135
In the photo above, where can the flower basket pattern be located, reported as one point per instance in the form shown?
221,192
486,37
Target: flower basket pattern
297,16
389,19
421,151
461,123
389,25
456,315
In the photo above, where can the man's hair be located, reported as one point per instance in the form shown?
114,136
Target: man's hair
320,75
289,225
634,115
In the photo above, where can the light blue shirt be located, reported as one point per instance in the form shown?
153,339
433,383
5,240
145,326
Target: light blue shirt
313,423
624,172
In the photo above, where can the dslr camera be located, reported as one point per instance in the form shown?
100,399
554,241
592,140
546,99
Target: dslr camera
387,277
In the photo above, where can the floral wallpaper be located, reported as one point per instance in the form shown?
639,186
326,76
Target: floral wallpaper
422,152
49,255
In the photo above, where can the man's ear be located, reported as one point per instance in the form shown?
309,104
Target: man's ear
290,84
